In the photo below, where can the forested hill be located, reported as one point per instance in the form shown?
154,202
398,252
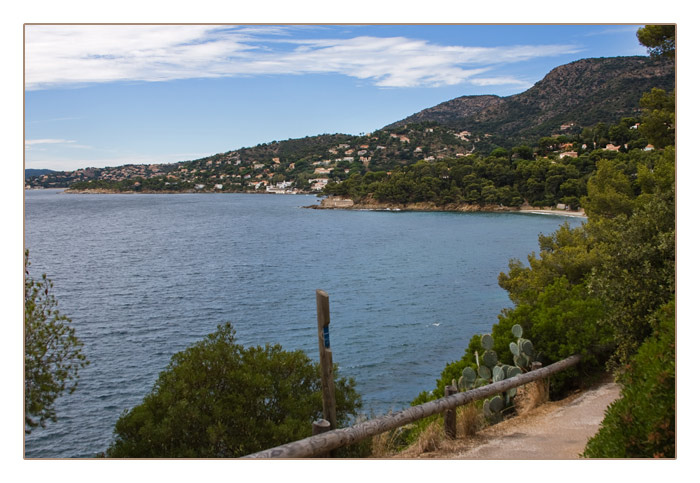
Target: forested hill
573,103
582,93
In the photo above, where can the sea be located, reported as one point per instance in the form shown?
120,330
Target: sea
144,276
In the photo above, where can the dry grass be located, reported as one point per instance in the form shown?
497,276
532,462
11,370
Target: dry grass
431,438
530,396
384,445
470,420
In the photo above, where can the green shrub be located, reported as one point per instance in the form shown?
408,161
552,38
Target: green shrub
220,399
641,424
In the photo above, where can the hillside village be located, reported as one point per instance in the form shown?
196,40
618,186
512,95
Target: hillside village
275,168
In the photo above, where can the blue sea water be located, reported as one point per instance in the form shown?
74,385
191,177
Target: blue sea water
144,276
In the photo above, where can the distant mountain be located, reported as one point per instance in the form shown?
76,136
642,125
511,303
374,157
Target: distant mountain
28,173
575,95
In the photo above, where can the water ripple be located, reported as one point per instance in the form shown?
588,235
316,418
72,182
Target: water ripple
143,277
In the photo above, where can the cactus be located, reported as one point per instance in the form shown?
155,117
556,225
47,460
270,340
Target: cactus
490,359
487,408
490,370
514,349
496,404
520,361
484,372
498,374
514,371
469,375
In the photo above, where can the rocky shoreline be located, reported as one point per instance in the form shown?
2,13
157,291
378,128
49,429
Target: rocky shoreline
334,203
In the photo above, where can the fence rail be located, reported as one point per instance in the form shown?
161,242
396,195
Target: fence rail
328,441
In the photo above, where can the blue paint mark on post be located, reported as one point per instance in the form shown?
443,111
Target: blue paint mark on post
326,337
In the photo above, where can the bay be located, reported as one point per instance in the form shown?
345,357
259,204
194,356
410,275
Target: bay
144,276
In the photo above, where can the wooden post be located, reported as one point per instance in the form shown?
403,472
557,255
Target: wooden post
326,357
319,427
450,415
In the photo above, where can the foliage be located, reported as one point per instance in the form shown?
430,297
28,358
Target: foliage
636,273
53,353
220,399
641,424
493,180
658,117
660,40
592,289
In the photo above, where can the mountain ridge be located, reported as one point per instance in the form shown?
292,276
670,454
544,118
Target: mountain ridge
568,94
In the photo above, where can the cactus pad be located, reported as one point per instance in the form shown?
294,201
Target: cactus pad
514,371
496,404
487,341
487,409
469,375
514,349
528,348
517,330
490,359
484,372
498,374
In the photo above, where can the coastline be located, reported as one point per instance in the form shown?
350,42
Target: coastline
102,191
332,203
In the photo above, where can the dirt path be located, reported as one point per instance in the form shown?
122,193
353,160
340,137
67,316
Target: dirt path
554,430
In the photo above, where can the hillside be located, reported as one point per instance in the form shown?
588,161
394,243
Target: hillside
571,96
29,173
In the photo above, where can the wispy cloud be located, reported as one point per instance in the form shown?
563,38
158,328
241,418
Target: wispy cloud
38,144
33,142
61,55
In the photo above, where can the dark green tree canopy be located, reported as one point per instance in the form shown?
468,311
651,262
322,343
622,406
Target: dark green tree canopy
660,40
220,399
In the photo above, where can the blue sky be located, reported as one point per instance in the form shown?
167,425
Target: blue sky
106,95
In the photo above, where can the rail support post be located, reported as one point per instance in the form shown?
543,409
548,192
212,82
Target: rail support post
450,415
320,426
326,357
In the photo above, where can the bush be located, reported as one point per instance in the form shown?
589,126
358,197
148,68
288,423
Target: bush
52,353
219,399
641,424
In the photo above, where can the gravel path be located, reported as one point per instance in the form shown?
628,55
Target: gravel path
554,430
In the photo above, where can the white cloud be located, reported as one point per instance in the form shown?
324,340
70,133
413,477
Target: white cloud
59,55
32,142
38,144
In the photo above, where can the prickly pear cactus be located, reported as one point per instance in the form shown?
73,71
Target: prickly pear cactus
490,370
523,351
490,359
487,341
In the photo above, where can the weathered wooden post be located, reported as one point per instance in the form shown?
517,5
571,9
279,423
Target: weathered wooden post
326,357
450,415
321,426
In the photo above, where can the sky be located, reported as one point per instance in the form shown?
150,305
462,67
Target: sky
107,95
